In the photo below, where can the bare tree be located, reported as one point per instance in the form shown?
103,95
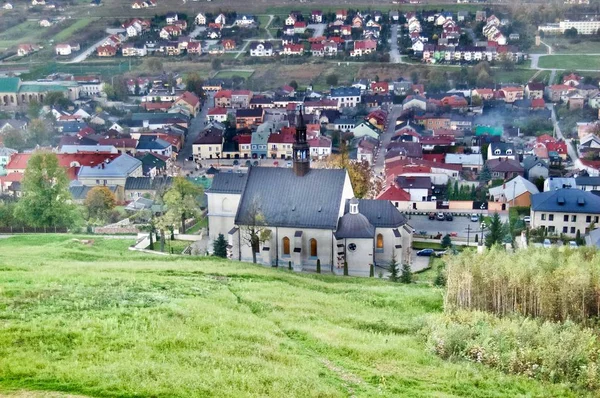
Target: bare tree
254,229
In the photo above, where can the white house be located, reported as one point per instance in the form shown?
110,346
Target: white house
200,19
261,49
63,49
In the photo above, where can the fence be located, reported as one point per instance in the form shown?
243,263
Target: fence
32,230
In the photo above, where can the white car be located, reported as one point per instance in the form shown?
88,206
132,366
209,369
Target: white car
547,244
573,244
474,217
527,219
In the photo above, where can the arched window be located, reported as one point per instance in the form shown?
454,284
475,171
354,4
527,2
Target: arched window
286,246
313,248
226,205
379,242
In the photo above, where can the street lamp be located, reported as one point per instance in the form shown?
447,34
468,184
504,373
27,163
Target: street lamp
482,228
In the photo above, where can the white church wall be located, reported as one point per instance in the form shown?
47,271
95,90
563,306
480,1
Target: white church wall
360,260
221,213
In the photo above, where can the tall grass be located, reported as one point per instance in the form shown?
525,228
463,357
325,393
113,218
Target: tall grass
543,283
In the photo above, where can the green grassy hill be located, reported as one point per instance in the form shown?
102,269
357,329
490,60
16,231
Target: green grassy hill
98,320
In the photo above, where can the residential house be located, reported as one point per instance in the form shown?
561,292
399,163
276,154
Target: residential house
151,143
419,188
208,145
261,49
217,114
248,117
363,47
515,192
572,79
293,49
316,16
344,124
228,44
366,149
414,102
223,99
241,98
535,168
190,101
221,19
534,90
367,129
501,168
63,49
585,183
45,23
280,145
320,147
299,27
171,18
557,92
341,15
134,50
26,49
106,51
497,150
469,162
565,211
111,173
200,19
575,101
5,156
245,20
345,96
170,31
511,94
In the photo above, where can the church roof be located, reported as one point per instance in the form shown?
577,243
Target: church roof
354,226
287,200
380,213
228,183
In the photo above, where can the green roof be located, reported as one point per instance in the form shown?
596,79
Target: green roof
482,130
41,88
9,84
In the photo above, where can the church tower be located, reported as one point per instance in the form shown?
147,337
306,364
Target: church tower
301,149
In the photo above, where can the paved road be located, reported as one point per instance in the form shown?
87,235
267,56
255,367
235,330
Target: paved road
395,57
570,150
197,31
385,138
197,125
271,17
319,28
82,57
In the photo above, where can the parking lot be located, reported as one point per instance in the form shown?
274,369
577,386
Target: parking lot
458,225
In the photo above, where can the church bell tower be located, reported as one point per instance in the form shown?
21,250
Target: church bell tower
301,149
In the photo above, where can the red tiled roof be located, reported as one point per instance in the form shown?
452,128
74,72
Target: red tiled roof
217,111
281,138
538,103
153,106
243,139
434,157
18,161
223,94
189,98
394,194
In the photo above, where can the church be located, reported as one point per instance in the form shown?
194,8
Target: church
297,216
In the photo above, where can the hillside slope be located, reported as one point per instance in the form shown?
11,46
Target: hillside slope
98,320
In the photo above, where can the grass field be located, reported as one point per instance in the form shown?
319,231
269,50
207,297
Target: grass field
228,74
560,45
67,33
99,320
575,62
28,31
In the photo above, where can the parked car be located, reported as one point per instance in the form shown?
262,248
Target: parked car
573,244
474,217
440,253
547,243
426,253
432,216
449,217
440,216
527,219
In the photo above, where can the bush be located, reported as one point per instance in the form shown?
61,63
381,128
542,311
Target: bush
548,351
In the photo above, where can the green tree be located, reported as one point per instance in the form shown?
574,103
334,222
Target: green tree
332,79
37,133
34,108
318,266
364,183
485,176
254,229
99,201
294,84
495,234
476,100
14,139
216,64
446,241
181,201
220,246
394,268
406,275
46,200
194,83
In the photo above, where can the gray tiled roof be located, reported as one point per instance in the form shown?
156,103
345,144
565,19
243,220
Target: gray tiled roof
228,183
148,183
566,201
380,213
286,200
354,226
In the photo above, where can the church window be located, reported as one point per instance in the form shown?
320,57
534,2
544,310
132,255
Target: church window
313,248
352,247
286,246
379,242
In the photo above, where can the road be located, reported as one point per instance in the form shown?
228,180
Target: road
570,150
386,138
197,125
83,56
271,17
319,28
458,225
395,57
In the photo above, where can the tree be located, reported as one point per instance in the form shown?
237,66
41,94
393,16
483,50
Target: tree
318,266
56,98
220,246
294,84
394,268
194,83
476,100
364,183
216,64
37,133
332,79
46,200
14,139
495,235
446,241
181,201
406,276
99,201
539,183
485,176
254,228
571,33
154,65
33,111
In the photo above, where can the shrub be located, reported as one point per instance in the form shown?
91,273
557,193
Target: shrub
543,350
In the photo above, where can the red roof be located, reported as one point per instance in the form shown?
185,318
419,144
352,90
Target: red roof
336,40
241,92
281,138
571,76
545,138
70,160
223,94
595,164
394,194
300,24
438,140
217,111
295,48
317,47
380,86
538,103
189,98
18,161
365,45
153,106
434,157
243,139
320,142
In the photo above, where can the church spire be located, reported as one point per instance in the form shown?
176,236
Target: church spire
300,148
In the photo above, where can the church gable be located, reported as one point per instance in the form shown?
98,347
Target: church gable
285,199
380,213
